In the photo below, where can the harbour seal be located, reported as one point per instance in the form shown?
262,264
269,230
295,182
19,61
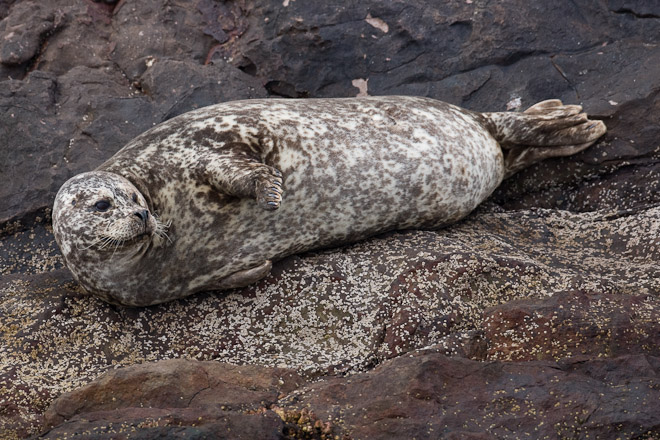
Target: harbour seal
208,199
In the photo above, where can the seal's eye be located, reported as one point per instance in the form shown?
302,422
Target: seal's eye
102,205
134,197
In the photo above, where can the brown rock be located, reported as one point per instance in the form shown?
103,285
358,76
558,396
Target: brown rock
333,312
420,395
573,323
177,383
159,423
428,395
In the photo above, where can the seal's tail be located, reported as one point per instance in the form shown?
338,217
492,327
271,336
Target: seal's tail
547,129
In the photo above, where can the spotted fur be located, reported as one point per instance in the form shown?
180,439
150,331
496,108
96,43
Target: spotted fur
244,183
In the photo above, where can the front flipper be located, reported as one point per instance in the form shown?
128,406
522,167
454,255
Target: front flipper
245,277
237,170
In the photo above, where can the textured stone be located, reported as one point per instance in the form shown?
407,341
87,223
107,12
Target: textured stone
420,395
180,86
428,395
177,383
157,423
79,78
55,127
482,289
153,30
424,47
573,323
22,32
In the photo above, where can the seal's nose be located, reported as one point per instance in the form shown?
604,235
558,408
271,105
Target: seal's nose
144,215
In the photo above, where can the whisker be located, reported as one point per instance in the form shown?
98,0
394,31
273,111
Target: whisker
117,244
162,228
84,248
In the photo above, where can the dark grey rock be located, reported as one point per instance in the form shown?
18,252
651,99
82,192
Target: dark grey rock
22,33
78,110
180,86
55,127
78,79
153,30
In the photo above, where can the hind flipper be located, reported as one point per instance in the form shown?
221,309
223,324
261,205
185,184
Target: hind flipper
546,129
555,128
586,131
521,157
549,105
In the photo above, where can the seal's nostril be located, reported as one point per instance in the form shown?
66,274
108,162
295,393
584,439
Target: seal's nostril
144,215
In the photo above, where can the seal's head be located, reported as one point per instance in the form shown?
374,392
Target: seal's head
98,216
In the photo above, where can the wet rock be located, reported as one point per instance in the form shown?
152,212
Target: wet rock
177,383
428,395
420,395
573,323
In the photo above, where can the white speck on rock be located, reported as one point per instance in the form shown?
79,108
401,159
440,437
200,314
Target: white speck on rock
515,103
361,84
377,23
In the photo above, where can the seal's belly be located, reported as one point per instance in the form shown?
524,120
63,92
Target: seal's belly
352,172
352,168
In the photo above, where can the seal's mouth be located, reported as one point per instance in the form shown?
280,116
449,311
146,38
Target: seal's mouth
137,238
114,244
131,234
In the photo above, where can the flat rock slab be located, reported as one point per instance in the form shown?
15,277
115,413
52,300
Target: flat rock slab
178,383
421,395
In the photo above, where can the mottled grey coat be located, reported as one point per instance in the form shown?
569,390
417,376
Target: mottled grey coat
323,172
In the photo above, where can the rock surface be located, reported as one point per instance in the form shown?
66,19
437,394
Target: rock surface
422,395
175,386
543,304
